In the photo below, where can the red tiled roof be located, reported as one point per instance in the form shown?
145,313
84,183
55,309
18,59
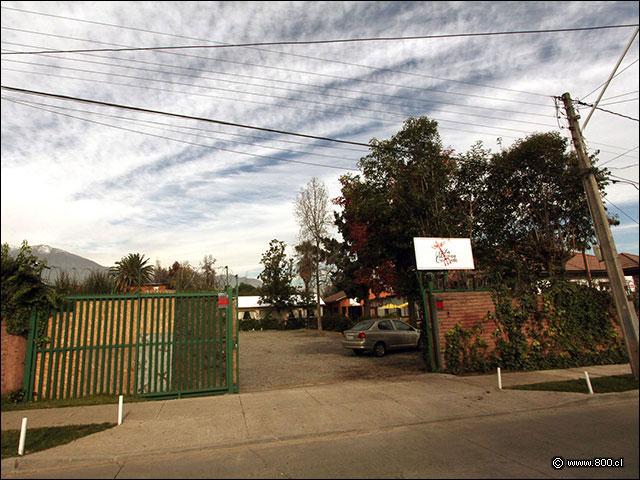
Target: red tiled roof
576,263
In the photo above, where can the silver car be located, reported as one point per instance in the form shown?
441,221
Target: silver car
380,335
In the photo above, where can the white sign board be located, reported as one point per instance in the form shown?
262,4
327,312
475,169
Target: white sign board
443,253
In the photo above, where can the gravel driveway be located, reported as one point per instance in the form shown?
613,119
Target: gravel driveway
272,359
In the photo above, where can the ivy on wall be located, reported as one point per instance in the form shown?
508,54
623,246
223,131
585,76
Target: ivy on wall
565,325
23,288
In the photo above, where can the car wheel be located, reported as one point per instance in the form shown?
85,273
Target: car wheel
358,352
379,350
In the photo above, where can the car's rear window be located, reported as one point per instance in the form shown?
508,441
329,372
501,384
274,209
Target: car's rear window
365,325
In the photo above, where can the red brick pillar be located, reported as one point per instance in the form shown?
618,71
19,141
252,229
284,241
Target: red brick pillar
14,351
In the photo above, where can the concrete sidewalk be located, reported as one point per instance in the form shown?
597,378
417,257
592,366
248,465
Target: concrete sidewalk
171,426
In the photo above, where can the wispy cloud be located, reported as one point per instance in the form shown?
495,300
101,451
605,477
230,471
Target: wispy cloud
102,182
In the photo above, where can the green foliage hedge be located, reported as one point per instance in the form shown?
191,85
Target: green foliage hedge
567,325
330,323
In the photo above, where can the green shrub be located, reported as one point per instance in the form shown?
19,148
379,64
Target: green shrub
337,323
567,325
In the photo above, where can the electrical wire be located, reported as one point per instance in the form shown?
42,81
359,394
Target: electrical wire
147,122
622,211
626,180
190,38
265,157
622,154
253,77
287,99
316,42
289,70
177,115
604,83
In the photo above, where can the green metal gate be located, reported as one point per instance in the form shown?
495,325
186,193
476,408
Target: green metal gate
160,345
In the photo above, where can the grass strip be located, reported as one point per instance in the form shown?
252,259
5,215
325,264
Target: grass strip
7,406
611,384
38,439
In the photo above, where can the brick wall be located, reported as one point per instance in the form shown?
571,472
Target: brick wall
467,308
14,349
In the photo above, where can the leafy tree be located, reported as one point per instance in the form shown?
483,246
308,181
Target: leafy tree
534,210
208,272
312,210
406,190
65,284
130,271
23,288
277,277
97,283
305,266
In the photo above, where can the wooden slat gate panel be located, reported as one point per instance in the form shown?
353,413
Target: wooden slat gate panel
164,345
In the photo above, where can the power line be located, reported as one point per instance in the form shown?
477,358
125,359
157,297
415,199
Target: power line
622,211
290,70
252,101
604,83
607,111
627,180
177,115
253,77
262,94
137,121
622,154
187,142
316,42
624,168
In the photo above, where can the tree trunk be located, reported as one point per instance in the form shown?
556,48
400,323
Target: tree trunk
318,307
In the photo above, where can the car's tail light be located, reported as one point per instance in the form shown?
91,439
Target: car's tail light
362,335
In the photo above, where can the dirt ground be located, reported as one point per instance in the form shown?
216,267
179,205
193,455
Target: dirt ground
273,359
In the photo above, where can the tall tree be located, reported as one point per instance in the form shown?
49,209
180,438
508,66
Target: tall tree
406,190
313,213
208,269
130,271
277,289
534,211
305,267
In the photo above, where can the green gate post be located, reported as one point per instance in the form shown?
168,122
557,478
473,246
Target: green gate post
427,321
29,366
237,337
228,323
434,321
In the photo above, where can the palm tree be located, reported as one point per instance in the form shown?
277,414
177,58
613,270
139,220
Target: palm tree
131,270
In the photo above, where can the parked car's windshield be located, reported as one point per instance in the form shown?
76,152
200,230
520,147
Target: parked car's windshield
364,325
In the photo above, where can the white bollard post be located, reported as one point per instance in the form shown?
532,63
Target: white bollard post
23,434
499,379
586,375
120,410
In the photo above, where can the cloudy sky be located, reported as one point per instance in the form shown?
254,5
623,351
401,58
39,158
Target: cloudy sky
103,182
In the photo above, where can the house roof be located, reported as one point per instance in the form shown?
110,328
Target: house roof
628,262
336,297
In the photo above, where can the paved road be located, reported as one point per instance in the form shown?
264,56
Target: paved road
516,445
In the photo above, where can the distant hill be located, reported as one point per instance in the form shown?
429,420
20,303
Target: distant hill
254,282
59,260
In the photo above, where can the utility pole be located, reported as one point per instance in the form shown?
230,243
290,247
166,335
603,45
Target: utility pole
626,312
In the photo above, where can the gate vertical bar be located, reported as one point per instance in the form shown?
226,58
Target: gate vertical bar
79,315
68,354
111,346
229,338
57,319
30,364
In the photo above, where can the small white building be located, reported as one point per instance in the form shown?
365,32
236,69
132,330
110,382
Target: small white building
249,308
